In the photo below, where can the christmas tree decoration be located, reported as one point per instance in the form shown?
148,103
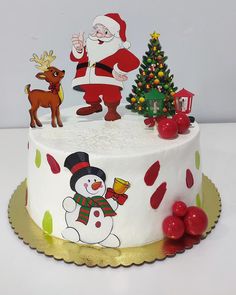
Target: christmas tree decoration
167,128
182,121
173,227
153,72
195,221
179,209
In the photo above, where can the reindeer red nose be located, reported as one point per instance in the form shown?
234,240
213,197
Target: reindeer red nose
96,185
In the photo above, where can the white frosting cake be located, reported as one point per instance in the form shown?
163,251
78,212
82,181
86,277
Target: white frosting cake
81,160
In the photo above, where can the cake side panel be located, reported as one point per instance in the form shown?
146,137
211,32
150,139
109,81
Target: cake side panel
137,221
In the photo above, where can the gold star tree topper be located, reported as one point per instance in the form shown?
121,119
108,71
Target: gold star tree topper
155,35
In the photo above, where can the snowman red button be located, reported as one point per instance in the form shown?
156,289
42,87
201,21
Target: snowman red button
98,224
96,213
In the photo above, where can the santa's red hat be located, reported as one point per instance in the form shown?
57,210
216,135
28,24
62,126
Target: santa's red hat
115,24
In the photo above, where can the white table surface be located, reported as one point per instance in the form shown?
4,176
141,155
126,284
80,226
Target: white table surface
208,268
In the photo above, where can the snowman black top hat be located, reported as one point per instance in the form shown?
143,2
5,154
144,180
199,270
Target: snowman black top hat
78,164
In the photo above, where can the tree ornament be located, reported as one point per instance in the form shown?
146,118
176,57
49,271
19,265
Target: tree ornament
154,48
151,75
195,221
149,60
167,128
161,66
143,73
160,74
182,121
172,93
140,84
173,227
179,209
141,99
148,86
159,57
140,108
166,86
133,99
156,81
165,110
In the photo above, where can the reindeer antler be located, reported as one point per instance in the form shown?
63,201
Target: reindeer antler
44,60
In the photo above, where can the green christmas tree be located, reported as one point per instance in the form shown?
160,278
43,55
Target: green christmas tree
153,74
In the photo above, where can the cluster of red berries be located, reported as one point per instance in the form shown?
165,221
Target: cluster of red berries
191,220
170,127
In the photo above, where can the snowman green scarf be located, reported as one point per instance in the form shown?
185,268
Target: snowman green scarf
88,203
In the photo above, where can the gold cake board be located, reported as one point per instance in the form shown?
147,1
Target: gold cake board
70,252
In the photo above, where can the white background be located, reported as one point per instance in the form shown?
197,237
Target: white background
197,35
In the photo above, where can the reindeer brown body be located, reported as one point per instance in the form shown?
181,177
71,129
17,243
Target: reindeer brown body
46,99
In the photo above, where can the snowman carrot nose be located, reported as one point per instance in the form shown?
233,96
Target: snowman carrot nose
96,185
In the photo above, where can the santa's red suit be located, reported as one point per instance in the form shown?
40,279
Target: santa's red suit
97,79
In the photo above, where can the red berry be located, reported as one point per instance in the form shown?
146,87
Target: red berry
195,221
167,128
182,121
179,209
173,227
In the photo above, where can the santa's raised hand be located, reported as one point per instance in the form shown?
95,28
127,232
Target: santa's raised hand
78,41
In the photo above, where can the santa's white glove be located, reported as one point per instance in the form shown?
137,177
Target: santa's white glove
119,77
69,204
78,42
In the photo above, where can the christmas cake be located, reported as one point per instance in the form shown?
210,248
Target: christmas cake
109,184
112,182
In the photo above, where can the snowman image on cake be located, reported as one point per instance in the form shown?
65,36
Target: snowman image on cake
89,214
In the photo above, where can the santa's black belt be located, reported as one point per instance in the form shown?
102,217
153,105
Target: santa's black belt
96,65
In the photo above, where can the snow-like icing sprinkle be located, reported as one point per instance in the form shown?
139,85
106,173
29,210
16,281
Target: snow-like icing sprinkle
127,136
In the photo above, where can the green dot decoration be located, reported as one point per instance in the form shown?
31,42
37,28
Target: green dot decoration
37,158
198,201
47,223
197,159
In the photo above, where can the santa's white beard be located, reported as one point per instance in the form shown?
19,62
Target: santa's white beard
97,52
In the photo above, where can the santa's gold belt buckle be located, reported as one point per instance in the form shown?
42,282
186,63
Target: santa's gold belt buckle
92,66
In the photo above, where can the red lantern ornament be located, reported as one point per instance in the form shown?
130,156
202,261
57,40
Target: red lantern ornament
179,209
183,101
167,128
173,227
195,221
182,121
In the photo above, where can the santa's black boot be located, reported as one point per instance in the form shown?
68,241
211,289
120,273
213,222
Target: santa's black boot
91,109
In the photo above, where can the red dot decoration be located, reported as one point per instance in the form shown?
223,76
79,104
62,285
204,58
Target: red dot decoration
158,195
98,224
152,173
54,166
189,178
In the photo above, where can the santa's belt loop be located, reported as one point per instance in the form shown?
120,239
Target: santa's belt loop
97,65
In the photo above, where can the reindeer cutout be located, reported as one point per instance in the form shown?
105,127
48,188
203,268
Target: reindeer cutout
46,99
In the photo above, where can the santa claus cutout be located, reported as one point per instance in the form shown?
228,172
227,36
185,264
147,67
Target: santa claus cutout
103,64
